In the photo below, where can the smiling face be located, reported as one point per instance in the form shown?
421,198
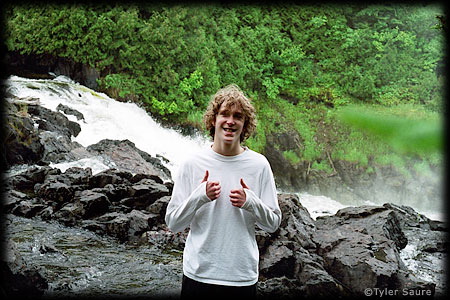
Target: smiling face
229,104
228,125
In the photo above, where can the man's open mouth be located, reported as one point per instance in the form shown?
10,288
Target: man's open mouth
230,130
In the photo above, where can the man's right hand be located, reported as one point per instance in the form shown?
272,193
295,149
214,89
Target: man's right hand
212,187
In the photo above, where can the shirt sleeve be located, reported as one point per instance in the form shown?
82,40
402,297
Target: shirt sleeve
184,203
265,208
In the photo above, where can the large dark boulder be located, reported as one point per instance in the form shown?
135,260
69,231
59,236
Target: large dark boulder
56,191
360,247
290,253
77,175
21,143
109,176
35,134
54,121
26,181
94,204
127,157
68,214
144,193
339,256
127,226
58,148
70,111
28,208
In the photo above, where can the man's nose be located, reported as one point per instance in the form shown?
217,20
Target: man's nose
231,121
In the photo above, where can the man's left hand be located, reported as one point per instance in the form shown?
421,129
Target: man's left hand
238,197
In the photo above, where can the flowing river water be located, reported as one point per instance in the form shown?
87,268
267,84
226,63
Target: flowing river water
78,262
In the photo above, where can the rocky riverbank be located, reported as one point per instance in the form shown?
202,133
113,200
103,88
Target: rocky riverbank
355,252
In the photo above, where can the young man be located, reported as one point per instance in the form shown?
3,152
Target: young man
221,193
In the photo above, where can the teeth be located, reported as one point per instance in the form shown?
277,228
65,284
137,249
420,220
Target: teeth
229,130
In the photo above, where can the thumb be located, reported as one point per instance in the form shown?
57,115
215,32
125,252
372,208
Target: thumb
206,176
244,185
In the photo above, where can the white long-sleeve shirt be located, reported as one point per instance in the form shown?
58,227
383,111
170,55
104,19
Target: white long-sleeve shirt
221,246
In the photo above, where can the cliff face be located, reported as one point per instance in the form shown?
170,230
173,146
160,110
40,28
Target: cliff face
348,182
39,66
355,251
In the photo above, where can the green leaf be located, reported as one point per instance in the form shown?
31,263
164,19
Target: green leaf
405,135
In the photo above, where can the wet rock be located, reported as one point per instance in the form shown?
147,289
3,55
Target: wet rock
49,120
110,176
57,147
114,192
140,222
17,278
94,226
77,175
119,227
285,255
263,239
22,143
409,218
47,214
129,226
337,256
70,111
28,208
94,204
144,193
26,181
374,220
12,199
316,282
164,238
360,247
56,191
159,207
22,183
128,157
280,288
296,224
278,260
39,65
45,248
69,214
138,177
427,245
38,174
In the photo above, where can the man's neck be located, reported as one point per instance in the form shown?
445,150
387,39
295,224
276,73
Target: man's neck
227,149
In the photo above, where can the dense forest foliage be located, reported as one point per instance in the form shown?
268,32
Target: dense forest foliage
299,63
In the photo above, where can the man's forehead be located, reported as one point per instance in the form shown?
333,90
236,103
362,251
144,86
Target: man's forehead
231,105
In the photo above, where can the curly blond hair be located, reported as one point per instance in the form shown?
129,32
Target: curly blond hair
231,95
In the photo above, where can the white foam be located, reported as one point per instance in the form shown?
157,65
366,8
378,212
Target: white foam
319,205
106,118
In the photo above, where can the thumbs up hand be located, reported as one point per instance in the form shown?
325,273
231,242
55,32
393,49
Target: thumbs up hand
238,196
212,187
244,185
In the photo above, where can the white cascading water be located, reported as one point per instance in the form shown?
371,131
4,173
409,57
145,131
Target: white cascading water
106,118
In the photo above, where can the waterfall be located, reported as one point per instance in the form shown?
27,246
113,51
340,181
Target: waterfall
106,118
